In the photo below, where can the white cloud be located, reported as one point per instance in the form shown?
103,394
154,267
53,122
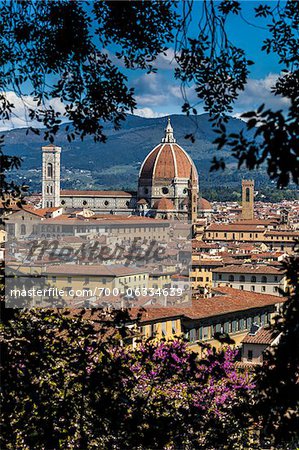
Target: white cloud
258,91
166,61
19,116
148,113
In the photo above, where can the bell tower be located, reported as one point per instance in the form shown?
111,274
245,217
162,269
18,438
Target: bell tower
51,176
247,199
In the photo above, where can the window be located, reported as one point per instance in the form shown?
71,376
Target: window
263,288
264,279
247,199
252,288
163,329
253,279
248,322
49,170
106,203
276,278
241,287
231,278
23,229
275,289
241,324
249,355
69,279
242,278
68,290
192,335
165,190
205,332
219,276
218,328
173,325
226,327
86,280
84,202
54,279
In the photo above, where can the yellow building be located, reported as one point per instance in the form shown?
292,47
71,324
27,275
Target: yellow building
201,274
227,311
95,280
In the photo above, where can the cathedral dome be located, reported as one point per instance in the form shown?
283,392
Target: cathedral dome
164,204
168,161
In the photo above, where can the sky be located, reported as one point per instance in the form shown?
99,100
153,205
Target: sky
158,94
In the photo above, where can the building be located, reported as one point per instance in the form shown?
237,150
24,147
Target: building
260,278
51,176
256,342
226,311
247,199
167,186
96,280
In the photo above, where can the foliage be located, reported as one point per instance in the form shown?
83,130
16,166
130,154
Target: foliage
58,50
277,399
67,383
276,134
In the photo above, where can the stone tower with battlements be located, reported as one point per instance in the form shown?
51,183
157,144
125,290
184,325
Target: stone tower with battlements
51,176
247,199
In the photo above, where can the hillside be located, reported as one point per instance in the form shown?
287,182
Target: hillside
116,163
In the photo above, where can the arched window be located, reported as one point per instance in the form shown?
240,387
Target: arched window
51,189
47,189
253,279
247,194
49,170
264,279
23,229
242,278
231,278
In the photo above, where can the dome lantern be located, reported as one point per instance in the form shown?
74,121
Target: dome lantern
168,133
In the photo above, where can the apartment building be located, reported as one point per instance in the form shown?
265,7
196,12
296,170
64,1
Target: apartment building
259,278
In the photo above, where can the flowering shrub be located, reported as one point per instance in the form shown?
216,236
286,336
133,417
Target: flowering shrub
68,384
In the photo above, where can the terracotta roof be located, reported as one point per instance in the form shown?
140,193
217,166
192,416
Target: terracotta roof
168,161
106,219
142,201
262,336
164,204
92,270
204,204
234,227
249,268
75,193
202,308
282,233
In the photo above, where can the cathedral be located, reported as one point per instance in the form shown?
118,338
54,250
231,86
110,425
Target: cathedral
167,186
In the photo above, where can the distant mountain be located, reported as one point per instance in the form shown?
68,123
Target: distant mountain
116,163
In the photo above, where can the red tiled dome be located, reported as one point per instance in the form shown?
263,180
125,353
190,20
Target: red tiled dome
164,204
167,161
